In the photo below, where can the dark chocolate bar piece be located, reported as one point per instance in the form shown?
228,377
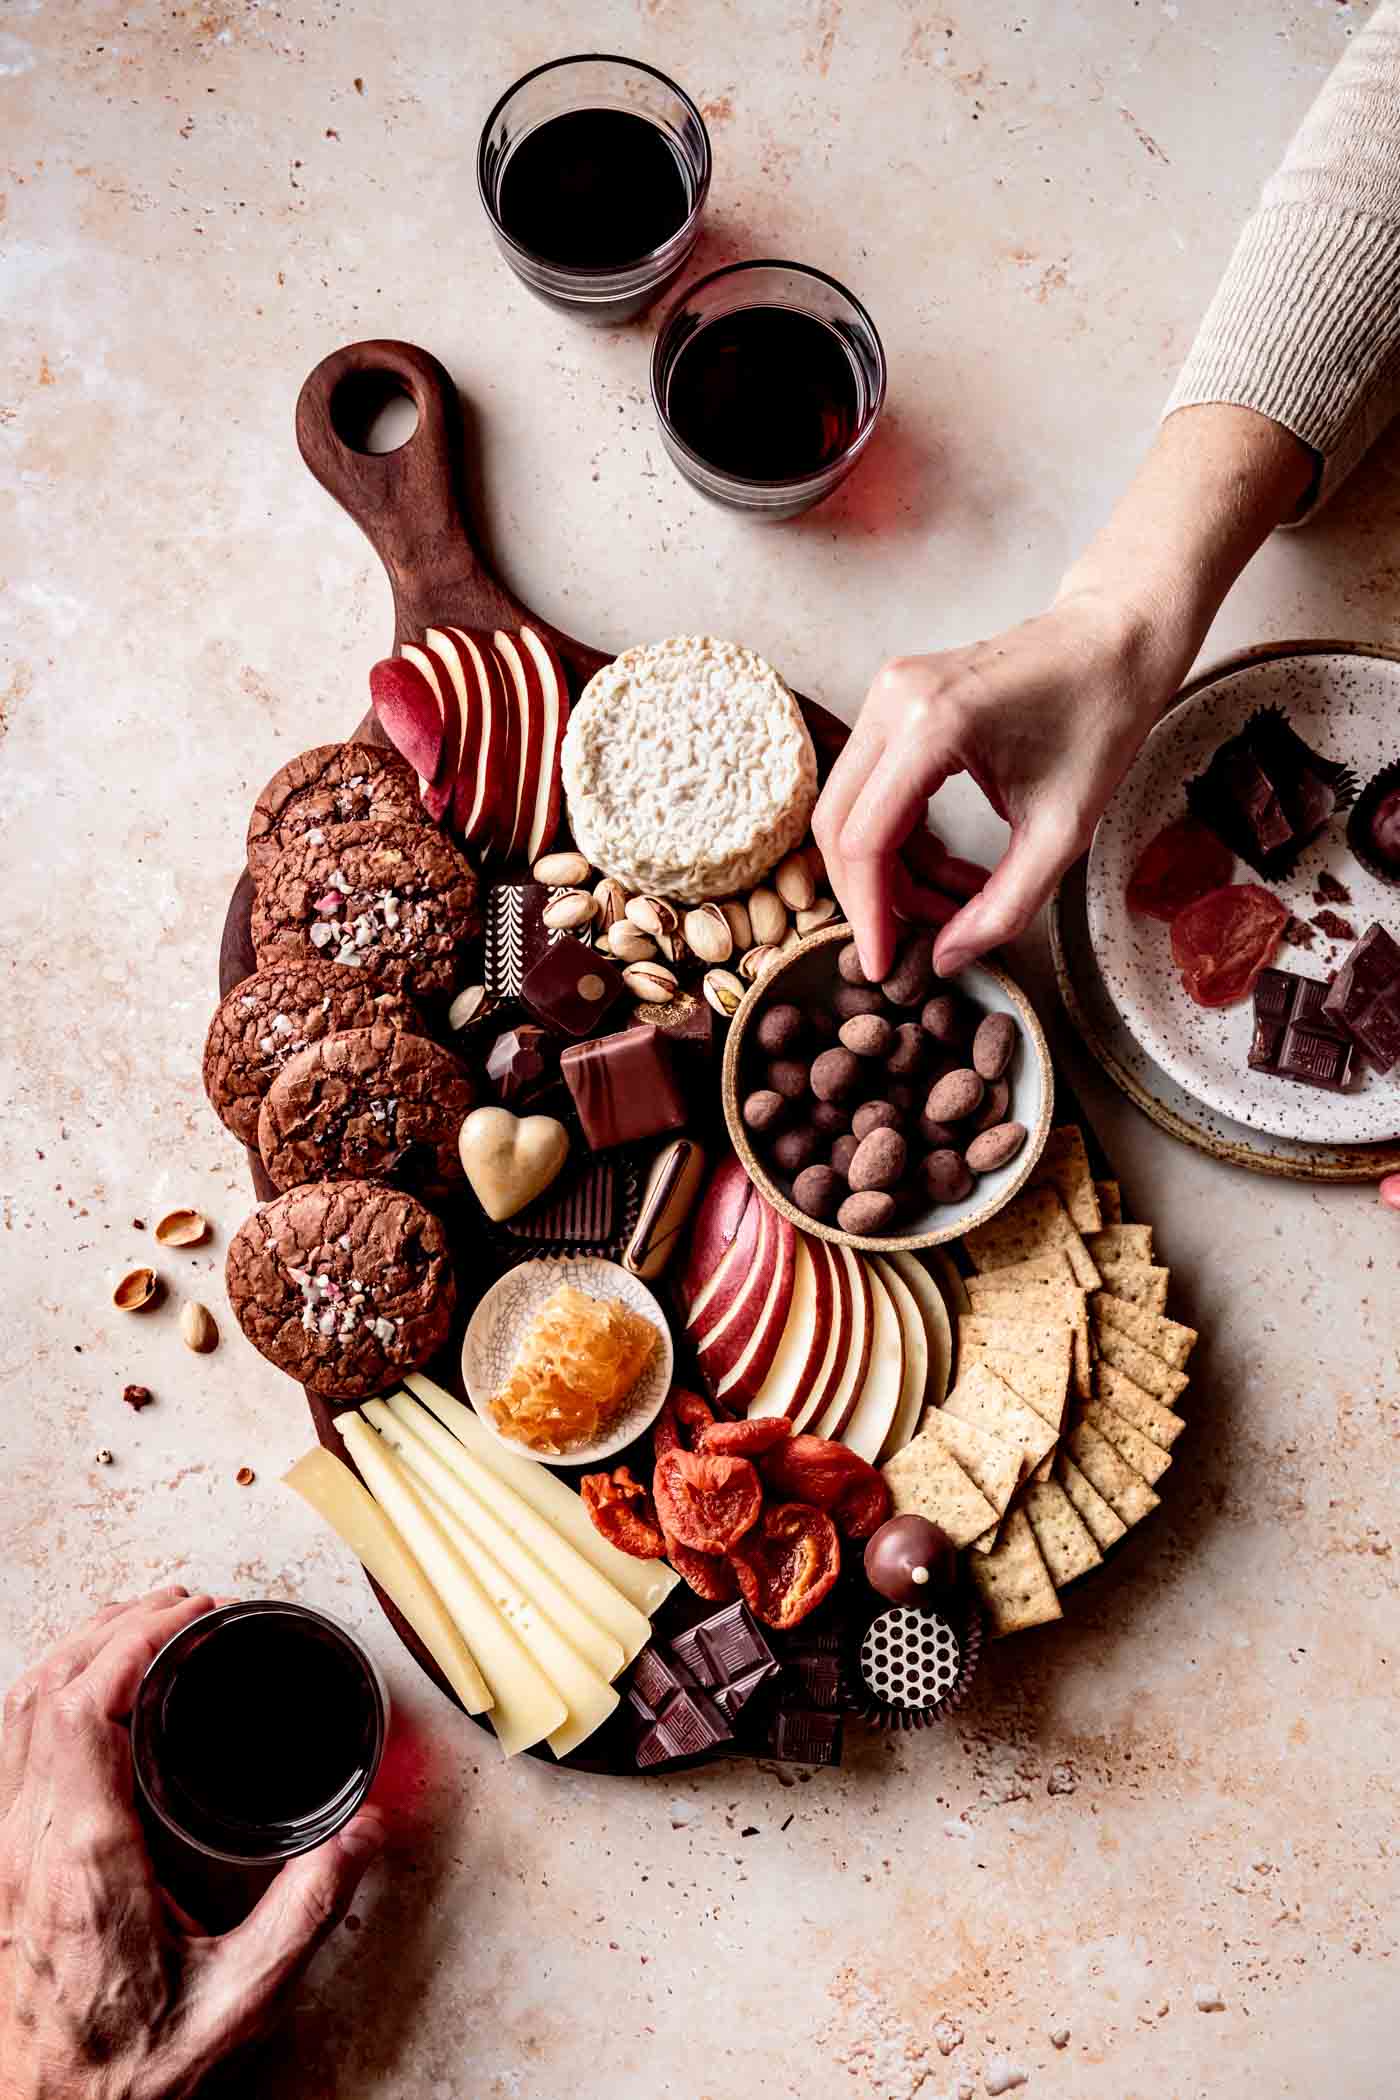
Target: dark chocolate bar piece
1364,998
1266,793
803,1735
571,987
1294,1037
724,1647
624,1087
679,1718
522,1065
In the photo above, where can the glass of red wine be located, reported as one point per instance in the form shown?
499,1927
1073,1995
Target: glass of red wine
594,172
257,1732
767,379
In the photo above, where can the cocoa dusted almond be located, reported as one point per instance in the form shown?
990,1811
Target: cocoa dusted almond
908,1053
835,1074
778,1028
909,982
869,1035
956,1094
993,1148
879,1161
852,999
867,1211
993,1045
817,1191
874,1115
843,1152
763,1109
848,963
945,1176
796,1149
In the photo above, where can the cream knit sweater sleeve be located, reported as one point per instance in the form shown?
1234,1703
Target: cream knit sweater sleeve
1305,325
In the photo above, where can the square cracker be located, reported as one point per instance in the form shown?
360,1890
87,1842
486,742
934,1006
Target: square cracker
1139,1285
1041,1381
1101,1518
1105,1467
1145,1457
991,1463
926,1478
1050,1267
982,1398
1032,1223
1127,1398
1110,1201
1122,1243
1168,1339
1052,1340
1014,1581
1140,1364
1064,1166
1065,1540
1056,1301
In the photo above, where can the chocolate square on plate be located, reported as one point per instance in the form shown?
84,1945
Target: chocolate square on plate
1266,793
1294,1037
1364,998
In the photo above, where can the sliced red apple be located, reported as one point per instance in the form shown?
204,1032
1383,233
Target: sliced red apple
453,668
877,1403
802,1350
721,1336
484,807
524,681
850,1374
437,793
554,684
915,1385
838,1341
751,1366
933,1311
406,709
728,1194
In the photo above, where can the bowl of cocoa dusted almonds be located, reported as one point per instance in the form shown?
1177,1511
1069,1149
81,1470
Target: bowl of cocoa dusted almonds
886,1116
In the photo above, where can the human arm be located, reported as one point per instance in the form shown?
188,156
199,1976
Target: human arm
105,1987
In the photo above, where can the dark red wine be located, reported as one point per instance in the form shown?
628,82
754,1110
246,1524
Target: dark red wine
593,189
765,392
264,1723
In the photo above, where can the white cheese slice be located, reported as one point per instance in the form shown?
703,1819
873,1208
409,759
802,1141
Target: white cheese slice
340,1500
589,1697
644,1584
413,1436
525,1706
878,1401
911,1392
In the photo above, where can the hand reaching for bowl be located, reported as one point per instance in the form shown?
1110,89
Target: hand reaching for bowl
1047,718
105,1985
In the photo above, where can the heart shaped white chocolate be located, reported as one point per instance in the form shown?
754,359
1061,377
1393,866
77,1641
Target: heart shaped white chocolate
509,1160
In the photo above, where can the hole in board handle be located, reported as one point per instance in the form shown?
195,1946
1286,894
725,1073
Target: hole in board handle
373,412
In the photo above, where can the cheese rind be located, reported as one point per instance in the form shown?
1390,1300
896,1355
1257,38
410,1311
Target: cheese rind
525,1705
413,1440
328,1486
637,1588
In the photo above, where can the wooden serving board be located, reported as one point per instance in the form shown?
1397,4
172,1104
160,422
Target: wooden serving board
411,506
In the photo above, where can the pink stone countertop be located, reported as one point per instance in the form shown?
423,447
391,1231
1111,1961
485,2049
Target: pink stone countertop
1189,1789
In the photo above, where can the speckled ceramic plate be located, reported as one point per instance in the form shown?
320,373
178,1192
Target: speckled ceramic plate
1347,706
497,1328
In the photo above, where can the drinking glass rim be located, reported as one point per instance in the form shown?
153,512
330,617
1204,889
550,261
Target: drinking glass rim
748,481
594,270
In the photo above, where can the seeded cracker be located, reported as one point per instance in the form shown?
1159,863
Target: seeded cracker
1065,1541
1145,1457
1049,1301
1110,1201
1139,1286
1053,1267
1107,1470
1168,1339
1041,1381
992,1463
1140,1364
1100,1517
1122,1243
1032,1223
1014,1581
980,1396
1064,1166
1128,1399
925,1479
1051,1340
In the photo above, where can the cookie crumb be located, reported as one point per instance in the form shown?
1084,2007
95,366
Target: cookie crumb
137,1224
1002,2076
137,1396
245,1476
1059,2037
104,1457
1208,1998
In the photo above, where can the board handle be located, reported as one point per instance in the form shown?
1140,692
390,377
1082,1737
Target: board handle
409,502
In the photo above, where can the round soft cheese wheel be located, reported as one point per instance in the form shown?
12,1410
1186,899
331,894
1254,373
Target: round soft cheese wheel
688,769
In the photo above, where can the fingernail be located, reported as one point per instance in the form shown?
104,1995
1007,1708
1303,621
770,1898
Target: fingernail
364,1839
1389,1192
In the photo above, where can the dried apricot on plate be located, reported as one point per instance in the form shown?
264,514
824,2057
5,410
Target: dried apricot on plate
1222,942
746,1439
1183,862
708,1574
788,1563
863,1508
622,1510
681,1422
707,1503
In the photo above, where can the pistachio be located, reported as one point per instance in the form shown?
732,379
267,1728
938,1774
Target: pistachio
792,879
182,1228
768,917
136,1289
611,900
651,981
561,871
568,911
736,916
675,949
723,991
627,943
790,940
758,961
197,1328
819,914
653,914
473,1003
707,931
